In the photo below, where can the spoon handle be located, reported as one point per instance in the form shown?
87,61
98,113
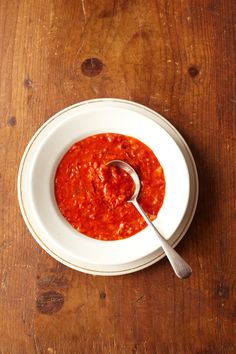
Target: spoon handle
181,268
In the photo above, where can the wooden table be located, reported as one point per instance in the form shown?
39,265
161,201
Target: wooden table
178,58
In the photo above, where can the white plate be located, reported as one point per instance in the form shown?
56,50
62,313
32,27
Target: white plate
36,185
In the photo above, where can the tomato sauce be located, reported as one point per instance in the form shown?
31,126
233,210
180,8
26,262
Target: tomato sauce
93,197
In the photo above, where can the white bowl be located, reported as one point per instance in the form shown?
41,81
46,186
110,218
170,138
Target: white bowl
36,186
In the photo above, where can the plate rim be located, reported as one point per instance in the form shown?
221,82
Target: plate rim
130,269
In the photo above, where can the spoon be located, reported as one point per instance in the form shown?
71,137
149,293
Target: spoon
180,267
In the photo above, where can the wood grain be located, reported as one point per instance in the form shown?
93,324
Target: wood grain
177,57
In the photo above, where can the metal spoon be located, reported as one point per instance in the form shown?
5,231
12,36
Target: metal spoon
181,268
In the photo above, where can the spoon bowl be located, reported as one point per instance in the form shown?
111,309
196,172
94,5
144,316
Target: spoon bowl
133,174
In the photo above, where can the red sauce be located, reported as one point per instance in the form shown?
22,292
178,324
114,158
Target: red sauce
93,197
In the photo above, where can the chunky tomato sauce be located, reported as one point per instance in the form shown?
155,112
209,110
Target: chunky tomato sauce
93,197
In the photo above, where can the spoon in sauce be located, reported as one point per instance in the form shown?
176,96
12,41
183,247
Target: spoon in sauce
180,267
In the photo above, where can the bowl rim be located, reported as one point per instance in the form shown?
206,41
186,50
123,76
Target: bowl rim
135,267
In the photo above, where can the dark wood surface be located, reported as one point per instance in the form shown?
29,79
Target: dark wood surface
178,58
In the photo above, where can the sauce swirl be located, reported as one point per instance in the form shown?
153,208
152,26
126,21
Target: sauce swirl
93,197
